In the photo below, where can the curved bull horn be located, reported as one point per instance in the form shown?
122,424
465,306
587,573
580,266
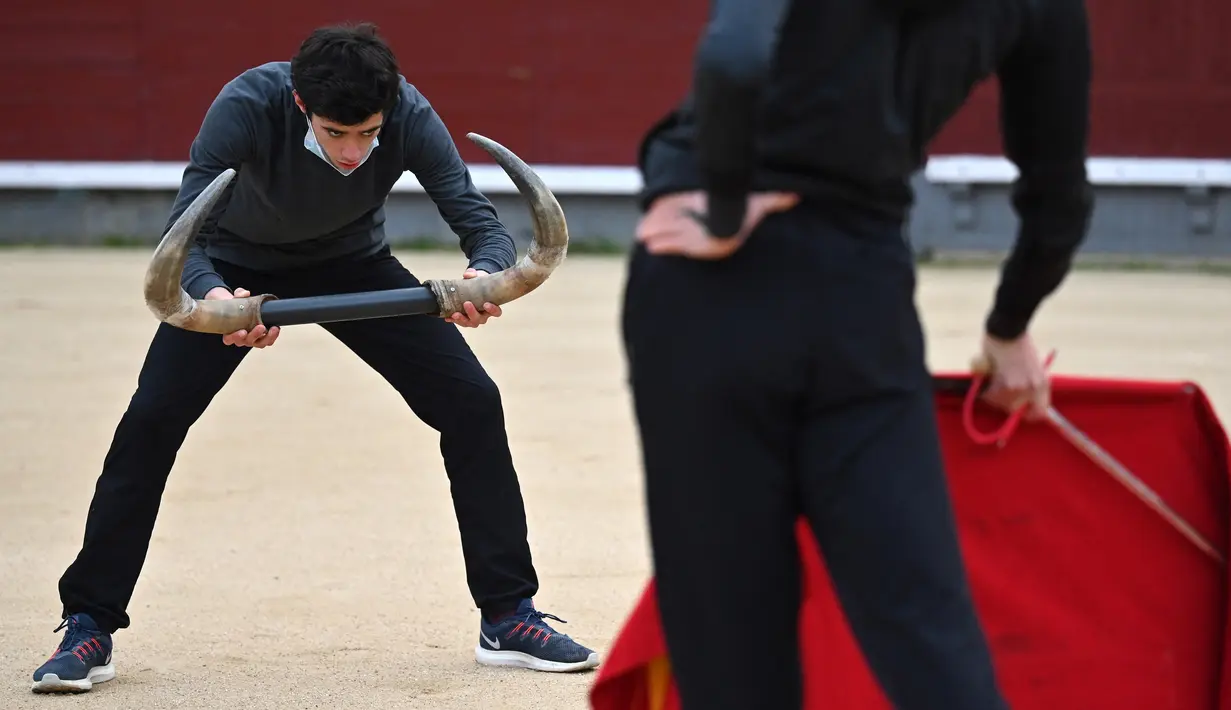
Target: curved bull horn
163,293
172,305
546,251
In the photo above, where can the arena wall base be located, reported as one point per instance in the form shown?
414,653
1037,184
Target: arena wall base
1147,209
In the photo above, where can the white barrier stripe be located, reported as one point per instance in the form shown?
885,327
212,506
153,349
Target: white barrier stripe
1144,172
490,179
616,180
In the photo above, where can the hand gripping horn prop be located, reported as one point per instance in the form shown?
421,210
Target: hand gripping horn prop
172,305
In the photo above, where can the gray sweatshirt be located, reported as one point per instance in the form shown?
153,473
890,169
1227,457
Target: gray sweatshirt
287,208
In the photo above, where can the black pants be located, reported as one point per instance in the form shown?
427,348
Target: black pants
425,358
790,380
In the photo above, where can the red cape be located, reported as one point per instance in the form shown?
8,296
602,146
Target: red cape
1089,598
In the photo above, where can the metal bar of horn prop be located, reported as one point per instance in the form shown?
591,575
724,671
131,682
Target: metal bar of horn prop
169,302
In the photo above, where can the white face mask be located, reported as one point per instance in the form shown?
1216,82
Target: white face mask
310,142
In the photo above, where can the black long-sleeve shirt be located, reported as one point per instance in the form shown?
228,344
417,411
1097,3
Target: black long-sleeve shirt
841,99
287,208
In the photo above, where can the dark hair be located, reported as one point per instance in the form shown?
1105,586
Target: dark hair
345,73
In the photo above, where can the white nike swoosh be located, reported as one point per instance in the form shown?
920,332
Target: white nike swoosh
493,644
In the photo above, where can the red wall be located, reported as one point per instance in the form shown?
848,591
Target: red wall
1162,83
559,81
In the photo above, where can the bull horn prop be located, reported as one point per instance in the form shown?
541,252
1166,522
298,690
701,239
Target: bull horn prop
172,305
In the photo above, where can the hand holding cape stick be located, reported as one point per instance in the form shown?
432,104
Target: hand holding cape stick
982,369
168,301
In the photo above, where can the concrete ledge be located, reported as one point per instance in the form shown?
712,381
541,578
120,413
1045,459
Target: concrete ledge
1148,208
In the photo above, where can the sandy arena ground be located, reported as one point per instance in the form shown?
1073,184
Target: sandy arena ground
307,555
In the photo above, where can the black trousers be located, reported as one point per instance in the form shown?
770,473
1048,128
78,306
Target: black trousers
789,380
425,358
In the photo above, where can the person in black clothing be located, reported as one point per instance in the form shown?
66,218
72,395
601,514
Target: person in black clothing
775,355
317,143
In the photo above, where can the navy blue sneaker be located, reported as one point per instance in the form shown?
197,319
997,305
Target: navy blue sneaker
82,659
524,640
